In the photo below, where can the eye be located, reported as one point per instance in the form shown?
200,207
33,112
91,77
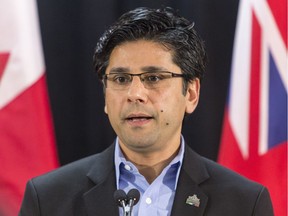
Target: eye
153,78
121,78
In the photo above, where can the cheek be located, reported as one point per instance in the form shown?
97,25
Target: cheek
172,109
111,103
167,122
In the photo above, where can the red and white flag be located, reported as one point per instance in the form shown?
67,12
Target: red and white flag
27,144
254,139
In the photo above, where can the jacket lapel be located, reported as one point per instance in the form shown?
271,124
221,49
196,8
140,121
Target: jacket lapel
189,197
99,199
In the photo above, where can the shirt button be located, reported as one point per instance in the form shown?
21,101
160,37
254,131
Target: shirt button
127,167
148,200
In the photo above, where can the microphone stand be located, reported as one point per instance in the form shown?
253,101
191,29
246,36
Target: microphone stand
126,201
128,208
127,211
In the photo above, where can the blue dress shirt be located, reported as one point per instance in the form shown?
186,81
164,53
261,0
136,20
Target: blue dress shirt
156,199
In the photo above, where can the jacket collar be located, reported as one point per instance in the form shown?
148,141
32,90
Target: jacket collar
99,199
190,198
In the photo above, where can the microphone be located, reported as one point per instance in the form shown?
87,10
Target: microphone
120,198
133,198
126,201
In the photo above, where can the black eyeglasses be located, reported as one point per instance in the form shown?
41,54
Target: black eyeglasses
150,80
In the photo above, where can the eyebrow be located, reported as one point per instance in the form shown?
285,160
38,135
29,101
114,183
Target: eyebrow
153,69
147,69
119,70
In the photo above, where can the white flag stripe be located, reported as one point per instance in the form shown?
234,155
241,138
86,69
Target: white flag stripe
264,97
275,41
240,78
21,38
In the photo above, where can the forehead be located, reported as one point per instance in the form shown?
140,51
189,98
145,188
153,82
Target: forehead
141,53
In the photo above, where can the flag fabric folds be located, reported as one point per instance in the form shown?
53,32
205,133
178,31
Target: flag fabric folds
27,144
254,139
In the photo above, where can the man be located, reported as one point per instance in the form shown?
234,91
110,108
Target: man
151,63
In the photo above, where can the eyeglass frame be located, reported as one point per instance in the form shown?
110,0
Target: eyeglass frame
186,77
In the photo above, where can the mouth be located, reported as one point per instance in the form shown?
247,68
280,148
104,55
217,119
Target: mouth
138,118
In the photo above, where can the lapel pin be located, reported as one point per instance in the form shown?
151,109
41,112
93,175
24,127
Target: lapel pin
193,200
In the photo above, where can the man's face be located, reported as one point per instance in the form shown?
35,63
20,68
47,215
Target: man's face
147,120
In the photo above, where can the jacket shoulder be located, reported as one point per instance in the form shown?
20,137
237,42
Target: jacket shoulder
228,192
60,191
76,172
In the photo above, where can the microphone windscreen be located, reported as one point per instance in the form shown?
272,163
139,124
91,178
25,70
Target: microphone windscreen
119,196
134,194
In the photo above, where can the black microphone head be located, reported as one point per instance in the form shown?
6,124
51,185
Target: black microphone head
119,197
134,194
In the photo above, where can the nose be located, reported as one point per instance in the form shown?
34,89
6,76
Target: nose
137,91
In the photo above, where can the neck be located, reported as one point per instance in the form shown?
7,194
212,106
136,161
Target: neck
152,171
151,165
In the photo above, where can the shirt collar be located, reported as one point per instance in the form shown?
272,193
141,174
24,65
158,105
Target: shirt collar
120,159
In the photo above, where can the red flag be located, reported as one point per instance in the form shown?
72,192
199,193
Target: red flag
254,139
27,145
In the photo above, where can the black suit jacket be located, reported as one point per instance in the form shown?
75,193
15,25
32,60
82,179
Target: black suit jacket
86,187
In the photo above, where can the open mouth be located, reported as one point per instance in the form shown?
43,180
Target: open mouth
139,118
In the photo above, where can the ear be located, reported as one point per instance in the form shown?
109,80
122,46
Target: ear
105,109
192,95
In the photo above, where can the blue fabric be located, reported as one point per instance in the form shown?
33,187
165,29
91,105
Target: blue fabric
155,198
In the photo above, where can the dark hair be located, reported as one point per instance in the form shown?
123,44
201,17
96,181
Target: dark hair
163,26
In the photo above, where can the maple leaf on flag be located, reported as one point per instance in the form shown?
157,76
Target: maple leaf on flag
3,62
